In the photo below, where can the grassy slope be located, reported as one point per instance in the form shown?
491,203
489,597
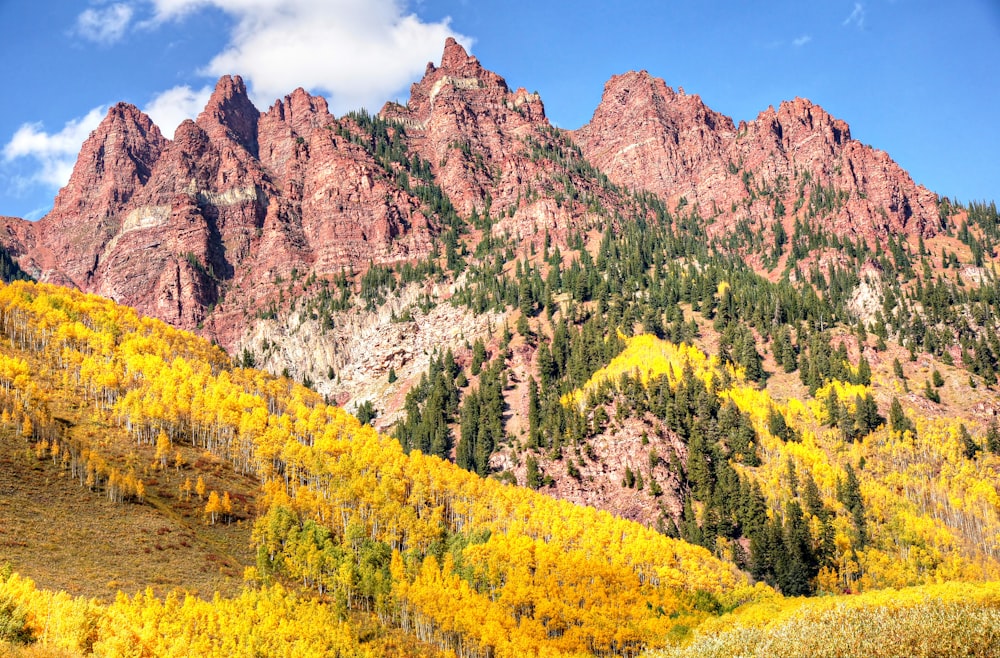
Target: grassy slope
67,537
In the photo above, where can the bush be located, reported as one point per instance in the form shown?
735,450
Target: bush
13,623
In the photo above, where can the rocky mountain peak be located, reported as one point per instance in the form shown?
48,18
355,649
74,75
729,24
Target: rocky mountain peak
230,115
801,117
115,160
300,111
458,74
645,134
455,56
639,93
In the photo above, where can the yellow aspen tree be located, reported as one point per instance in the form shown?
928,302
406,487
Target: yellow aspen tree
227,506
213,506
200,488
186,489
178,461
27,429
140,490
162,448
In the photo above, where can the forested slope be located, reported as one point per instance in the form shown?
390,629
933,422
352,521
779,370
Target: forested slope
465,563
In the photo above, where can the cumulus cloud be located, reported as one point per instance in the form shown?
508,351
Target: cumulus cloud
105,25
357,52
53,153
801,41
169,108
857,16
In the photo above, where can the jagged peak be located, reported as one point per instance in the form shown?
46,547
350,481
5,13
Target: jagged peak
458,64
643,92
455,55
298,102
126,119
227,89
801,113
114,161
125,129
231,109
127,112
189,136
300,111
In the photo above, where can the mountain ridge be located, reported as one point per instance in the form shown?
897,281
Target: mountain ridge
245,191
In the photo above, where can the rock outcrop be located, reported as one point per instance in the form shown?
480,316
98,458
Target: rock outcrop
493,150
646,135
216,217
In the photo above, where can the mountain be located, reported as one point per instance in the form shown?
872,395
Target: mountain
240,198
493,150
646,135
348,252
236,200
210,231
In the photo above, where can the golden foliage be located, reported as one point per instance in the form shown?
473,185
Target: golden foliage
648,357
272,621
955,619
490,568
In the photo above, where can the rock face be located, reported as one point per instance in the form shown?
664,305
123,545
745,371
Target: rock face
218,215
644,134
493,150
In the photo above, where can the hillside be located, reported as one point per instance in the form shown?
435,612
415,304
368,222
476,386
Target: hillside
403,543
343,512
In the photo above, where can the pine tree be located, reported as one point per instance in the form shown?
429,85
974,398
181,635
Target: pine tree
534,410
533,477
993,437
864,372
897,369
850,496
930,393
969,447
898,421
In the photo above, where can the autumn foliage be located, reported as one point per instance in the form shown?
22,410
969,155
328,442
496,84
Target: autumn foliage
349,524
465,563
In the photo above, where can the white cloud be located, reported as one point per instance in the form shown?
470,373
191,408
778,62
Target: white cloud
169,108
104,25
54,153
358,52
801,41
857,16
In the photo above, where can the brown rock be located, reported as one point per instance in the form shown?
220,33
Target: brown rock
491,148
643,134
216,216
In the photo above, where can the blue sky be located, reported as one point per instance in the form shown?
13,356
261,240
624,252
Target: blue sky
919,79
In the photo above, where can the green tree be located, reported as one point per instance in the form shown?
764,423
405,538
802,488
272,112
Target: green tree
14,623
533,477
